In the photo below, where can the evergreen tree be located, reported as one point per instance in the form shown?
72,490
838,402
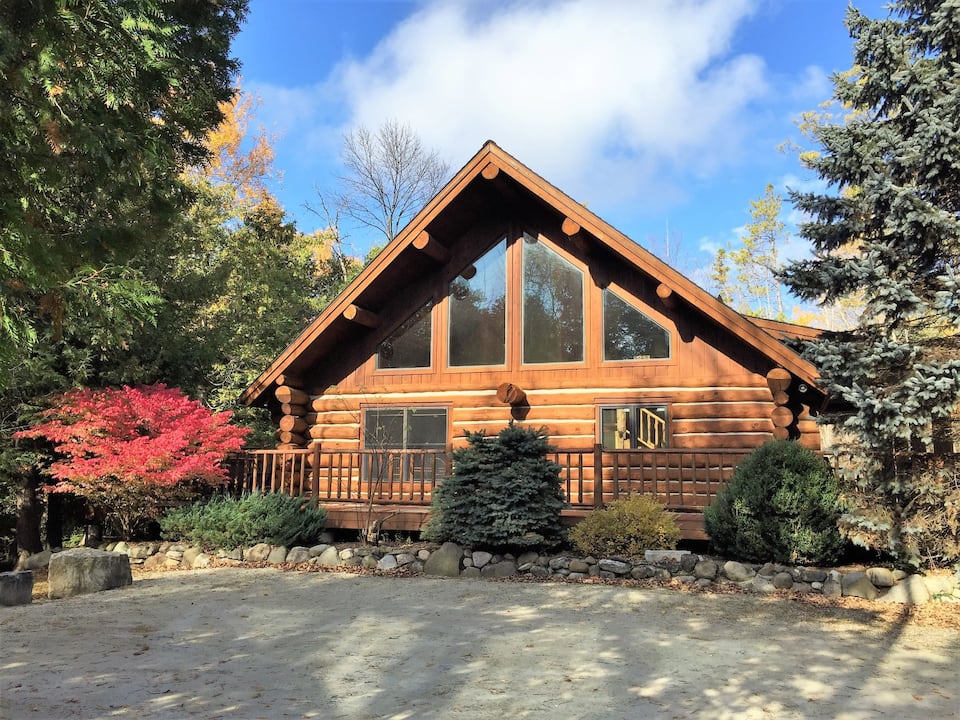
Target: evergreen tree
894,171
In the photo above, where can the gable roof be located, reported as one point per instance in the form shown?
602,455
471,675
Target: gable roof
494,165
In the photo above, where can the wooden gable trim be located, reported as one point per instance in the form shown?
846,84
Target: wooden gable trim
477,164
577,220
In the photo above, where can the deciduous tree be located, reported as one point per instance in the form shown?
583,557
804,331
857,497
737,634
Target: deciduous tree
389,176
128,451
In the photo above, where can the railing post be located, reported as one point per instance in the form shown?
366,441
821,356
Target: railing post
598,475
315,477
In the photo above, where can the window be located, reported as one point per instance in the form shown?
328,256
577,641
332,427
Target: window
628,334
552,306
389,429
399,428
478,311
633,426
409,345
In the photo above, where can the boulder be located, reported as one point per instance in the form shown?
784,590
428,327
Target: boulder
737,572
912,590
277,555
783,581
329,557
16,588
705,570
37,561
202,560
481,558
661,555
881,577
617,567
507,568
317,550
940,584
404,559
298,554
258,553
445,561
857,584
85,570
388,562
189,556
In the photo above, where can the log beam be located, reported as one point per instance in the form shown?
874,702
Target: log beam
293,424
665,293
425,243
490,171
292,409
291,395
511,394
291,438
778,380
570,227
288,379
357,314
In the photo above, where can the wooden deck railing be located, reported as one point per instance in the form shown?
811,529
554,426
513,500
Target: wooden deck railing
680,479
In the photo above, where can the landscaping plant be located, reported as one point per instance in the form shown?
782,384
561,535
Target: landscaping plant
782,504
503,492
226,523
130,452
626,527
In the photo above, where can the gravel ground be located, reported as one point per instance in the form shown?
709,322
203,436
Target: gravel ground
260,643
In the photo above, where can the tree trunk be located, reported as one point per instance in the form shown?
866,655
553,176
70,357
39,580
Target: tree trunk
31,508
55,506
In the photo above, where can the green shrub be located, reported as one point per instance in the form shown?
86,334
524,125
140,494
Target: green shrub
626,527
782,504
225,522
504,492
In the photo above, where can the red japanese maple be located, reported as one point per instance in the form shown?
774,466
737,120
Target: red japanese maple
123,448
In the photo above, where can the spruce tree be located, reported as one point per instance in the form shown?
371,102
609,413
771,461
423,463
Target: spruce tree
888,227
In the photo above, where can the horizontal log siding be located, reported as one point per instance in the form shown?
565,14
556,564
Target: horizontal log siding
700,417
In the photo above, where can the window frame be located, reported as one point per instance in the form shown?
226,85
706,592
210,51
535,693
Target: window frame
508,291
433,342
521,319
622,294
634,406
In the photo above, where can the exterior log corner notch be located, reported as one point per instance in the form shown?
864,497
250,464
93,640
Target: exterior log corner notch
292,426
779,380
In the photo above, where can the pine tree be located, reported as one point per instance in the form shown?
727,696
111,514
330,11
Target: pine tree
893,171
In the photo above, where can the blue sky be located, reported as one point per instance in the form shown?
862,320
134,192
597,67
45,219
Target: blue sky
658,114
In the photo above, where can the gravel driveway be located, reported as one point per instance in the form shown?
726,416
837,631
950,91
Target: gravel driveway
243,643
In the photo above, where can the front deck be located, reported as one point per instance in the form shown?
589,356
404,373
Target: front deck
394,487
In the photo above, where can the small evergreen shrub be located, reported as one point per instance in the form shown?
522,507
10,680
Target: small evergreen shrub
503,492
626,527
782,504
225,522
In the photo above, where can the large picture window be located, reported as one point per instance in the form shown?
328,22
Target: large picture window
478,311
409,345
628,334
552,306
626,427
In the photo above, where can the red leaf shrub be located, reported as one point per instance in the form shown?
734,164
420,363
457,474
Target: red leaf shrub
129,449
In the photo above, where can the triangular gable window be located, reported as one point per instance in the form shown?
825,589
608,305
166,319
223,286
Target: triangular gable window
628,334
552,306
478,311
409,345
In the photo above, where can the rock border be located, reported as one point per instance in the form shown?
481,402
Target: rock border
878,584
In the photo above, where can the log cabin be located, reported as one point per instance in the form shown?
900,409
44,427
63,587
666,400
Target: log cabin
504,300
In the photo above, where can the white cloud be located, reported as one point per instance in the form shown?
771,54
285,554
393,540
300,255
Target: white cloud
604,98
